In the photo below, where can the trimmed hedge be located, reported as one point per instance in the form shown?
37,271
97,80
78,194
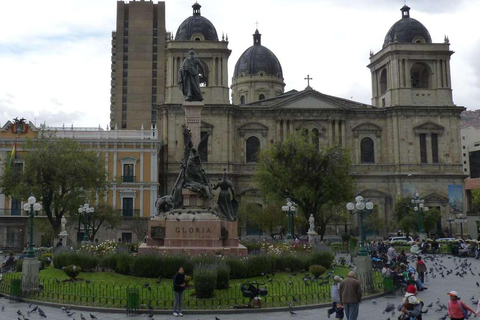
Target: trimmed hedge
317,270
223,276
86,261
205,281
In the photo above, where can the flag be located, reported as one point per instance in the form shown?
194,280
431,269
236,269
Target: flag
12,155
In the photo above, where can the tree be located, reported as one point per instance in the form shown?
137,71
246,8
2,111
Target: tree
431,219
476,198
103,214
140,227
315,179
59,172
269,218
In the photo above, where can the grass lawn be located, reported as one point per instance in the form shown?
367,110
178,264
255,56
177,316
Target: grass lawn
108,289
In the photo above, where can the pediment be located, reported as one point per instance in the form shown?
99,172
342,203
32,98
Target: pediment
367,127
309,102
128,160
436,198
253,127
8,126
428,128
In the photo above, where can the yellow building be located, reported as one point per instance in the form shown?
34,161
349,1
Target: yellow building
131,159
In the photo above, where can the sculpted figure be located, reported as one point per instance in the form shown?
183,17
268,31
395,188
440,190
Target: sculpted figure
164,204
227,206
190,75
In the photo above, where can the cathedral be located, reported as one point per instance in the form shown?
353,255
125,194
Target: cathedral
406,141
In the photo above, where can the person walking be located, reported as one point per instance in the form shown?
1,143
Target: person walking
457,310
421,268
391,253
178,287
350,295
335,295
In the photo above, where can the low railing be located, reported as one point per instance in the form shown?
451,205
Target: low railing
10,212
128,178
159,294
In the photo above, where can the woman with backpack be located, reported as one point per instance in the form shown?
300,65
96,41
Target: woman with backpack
457,310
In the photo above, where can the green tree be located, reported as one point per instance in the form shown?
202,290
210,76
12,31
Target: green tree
60,173
316,180
104,214
430,220
406,218
476,198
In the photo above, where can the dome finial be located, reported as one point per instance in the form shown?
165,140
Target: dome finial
257,38
405,11
196,9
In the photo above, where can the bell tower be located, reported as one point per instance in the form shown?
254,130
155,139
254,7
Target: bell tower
410,70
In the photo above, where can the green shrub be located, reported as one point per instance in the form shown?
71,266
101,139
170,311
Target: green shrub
84,260
147,265
169,265
317,270
108,262
252,246
72,271
123,263
238,267
324,259
18,265
346,237
188,279
353,241
223,276
257,265
205,281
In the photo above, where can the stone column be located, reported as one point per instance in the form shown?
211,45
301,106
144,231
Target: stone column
365,272
193,116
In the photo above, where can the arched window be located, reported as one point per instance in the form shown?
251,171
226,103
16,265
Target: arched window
261,97
315,138
420,76
253,147
242,100
367,150
383,81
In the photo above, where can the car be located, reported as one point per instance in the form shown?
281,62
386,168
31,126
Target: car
446,239
402,238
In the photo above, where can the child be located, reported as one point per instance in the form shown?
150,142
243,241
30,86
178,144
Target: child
339,314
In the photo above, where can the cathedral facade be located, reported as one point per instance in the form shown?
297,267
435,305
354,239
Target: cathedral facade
406,141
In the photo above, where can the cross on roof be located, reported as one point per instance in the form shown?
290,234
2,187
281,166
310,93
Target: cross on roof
308,80
256,23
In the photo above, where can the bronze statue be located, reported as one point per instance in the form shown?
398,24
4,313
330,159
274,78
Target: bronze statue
190,75
228,207
164,204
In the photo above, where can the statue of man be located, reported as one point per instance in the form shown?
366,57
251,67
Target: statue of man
227,207
189,78
311,220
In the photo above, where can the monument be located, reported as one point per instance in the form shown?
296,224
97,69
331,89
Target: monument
189,220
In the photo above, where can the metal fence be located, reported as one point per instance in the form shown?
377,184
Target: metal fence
159,294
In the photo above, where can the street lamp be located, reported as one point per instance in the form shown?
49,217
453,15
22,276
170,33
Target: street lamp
461,219
30,208
85,211
420,209
363,209
450,220
290,209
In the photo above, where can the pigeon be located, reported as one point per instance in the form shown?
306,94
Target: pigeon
178,219
93,317
389,307
374,302
292,313
19,312
82,317
3,308
150,315
41,313
430,305
217,318
70,314
35,309
295,299
478,284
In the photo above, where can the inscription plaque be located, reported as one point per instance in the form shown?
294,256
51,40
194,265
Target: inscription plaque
157,232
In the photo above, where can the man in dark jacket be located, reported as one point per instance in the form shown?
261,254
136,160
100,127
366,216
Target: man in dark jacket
178,287
350,295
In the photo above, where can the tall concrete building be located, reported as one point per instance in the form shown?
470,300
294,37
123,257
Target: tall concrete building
138,64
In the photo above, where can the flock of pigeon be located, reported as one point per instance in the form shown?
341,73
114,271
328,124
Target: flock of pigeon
37,310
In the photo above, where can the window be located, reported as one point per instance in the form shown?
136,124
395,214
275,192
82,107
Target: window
124,107
367,151
127,207
154,74
474,161
383,81
434,147
253,147
128,173
204,156
423,148
463,147
419,76
154,82
126,237
261,97
124,124
316,138
16,209
464,154
242,100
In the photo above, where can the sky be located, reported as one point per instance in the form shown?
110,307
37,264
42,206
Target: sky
55,55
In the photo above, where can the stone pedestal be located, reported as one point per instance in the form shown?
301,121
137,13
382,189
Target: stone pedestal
193,233
365,273
193,116
422,236
30,270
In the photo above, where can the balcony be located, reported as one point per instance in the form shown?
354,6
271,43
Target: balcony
10,212
128,178
129,213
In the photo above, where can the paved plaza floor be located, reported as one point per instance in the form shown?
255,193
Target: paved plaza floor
459,279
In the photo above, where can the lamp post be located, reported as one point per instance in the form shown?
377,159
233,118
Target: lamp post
420,209
30,208
363,209
450,220
290,209
461,219
85,211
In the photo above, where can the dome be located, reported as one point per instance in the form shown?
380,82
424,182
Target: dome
196,25
407,30
256,59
